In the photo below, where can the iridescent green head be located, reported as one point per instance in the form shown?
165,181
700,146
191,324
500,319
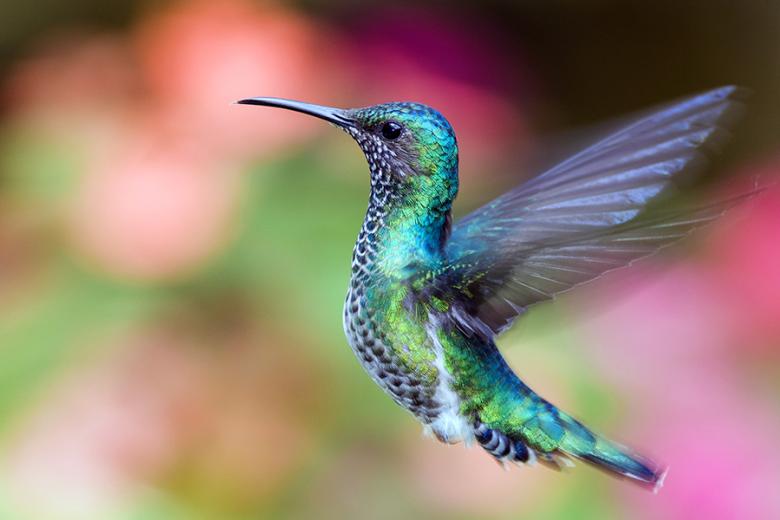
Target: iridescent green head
414,136
409,146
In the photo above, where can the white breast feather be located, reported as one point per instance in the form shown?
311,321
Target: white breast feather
450,425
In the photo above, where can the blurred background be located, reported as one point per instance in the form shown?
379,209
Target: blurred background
172,267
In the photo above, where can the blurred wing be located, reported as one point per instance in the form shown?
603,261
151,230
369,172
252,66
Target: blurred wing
579,219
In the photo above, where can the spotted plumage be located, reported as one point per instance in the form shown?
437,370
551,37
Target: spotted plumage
427,298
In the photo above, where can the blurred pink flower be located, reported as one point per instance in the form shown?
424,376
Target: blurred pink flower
156,208
720,444
152,120
653,322
745,258
199,56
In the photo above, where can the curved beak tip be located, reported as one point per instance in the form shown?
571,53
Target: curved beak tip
336,116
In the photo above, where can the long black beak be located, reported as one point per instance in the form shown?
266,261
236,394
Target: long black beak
337,116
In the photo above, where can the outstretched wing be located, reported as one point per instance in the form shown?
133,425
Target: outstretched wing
582,218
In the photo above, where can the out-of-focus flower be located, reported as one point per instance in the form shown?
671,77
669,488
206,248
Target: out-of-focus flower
745,261
156,208
153,123
721,452
657,323
200,56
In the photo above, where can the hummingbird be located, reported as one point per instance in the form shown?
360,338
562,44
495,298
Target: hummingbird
428,297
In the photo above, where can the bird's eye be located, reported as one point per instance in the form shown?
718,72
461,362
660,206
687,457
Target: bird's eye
391,130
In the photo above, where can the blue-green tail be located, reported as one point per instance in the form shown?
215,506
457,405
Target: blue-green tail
513,423
573,441
581,443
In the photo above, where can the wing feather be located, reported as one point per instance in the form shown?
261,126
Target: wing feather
587,215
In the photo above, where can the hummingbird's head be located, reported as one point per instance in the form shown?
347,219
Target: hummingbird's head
406,139
409,146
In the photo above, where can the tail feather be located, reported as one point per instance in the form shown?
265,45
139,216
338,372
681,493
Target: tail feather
581,443
576,442
514,424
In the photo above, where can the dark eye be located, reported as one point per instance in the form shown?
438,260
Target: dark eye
391,130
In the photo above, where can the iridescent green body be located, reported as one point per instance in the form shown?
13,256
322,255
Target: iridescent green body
427,298
453,383
401,237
